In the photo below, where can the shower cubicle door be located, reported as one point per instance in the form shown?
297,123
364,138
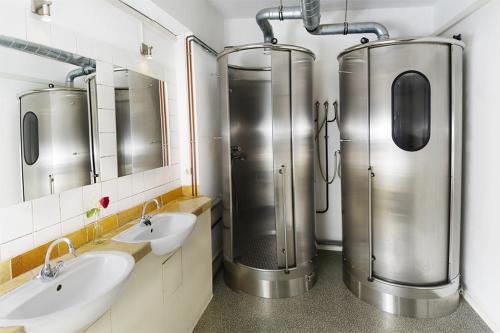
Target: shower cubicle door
409,153
282,157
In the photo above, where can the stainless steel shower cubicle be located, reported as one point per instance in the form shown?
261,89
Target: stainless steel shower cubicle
268,169
401,146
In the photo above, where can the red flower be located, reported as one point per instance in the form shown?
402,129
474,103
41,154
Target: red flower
104,202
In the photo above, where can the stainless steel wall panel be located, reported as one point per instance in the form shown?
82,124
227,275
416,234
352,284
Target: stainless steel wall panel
227,198
410,188
282,157
303,155
456,159
354,148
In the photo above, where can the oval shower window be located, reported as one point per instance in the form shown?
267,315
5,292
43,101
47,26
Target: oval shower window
411,111
30,138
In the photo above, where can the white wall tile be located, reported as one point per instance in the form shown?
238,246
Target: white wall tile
62,38
71,203
124,187
103,52
104,73
126,203
16,247
46,212
85,46
137,182
110,189
109,168
37,30
16,221
121,58
174,172
112,209
48,234
107,144
72,224
107,120
105,97
91,196
150,179
13,19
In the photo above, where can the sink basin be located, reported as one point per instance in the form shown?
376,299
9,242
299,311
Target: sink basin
167,232
84,290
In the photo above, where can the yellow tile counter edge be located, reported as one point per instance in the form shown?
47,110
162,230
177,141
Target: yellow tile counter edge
192,205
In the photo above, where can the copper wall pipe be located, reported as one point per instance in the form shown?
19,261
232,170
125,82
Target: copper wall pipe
192,128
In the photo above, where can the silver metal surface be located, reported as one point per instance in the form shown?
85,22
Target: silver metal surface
95,168
270,284
48,272
405,210
411,189
63,141
145,219
311,14
408,301
276,13
456,159
354,147
46,51
267,46
303,155
268,199
282,151
408,40
138,124
353,28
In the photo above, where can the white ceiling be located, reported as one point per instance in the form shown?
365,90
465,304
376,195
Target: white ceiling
248,8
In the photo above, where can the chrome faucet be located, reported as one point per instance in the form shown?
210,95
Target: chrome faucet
145,219
48,272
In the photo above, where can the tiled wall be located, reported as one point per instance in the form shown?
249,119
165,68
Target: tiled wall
100,30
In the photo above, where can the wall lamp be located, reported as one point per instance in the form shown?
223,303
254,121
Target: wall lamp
147,51
42,8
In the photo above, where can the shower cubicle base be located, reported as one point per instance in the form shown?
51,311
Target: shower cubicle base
401,300
268,283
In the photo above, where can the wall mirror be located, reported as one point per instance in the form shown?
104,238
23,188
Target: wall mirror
49,133
141,122
46,132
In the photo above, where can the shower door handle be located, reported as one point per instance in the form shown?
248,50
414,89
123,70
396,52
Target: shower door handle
282,172
370,220
51,184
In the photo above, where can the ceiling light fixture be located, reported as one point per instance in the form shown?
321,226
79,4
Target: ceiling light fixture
42,8
147,51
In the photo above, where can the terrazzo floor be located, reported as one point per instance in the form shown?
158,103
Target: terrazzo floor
328,307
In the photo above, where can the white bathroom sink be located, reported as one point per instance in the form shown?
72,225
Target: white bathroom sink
84,290
167,232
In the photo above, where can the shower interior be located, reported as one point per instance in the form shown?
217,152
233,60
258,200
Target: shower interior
255,244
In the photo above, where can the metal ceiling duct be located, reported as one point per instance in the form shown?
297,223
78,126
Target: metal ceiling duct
46,51
309,12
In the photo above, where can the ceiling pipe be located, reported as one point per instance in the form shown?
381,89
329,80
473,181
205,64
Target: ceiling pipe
45,51
71,76
311,19
276,13
352,28
309,12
